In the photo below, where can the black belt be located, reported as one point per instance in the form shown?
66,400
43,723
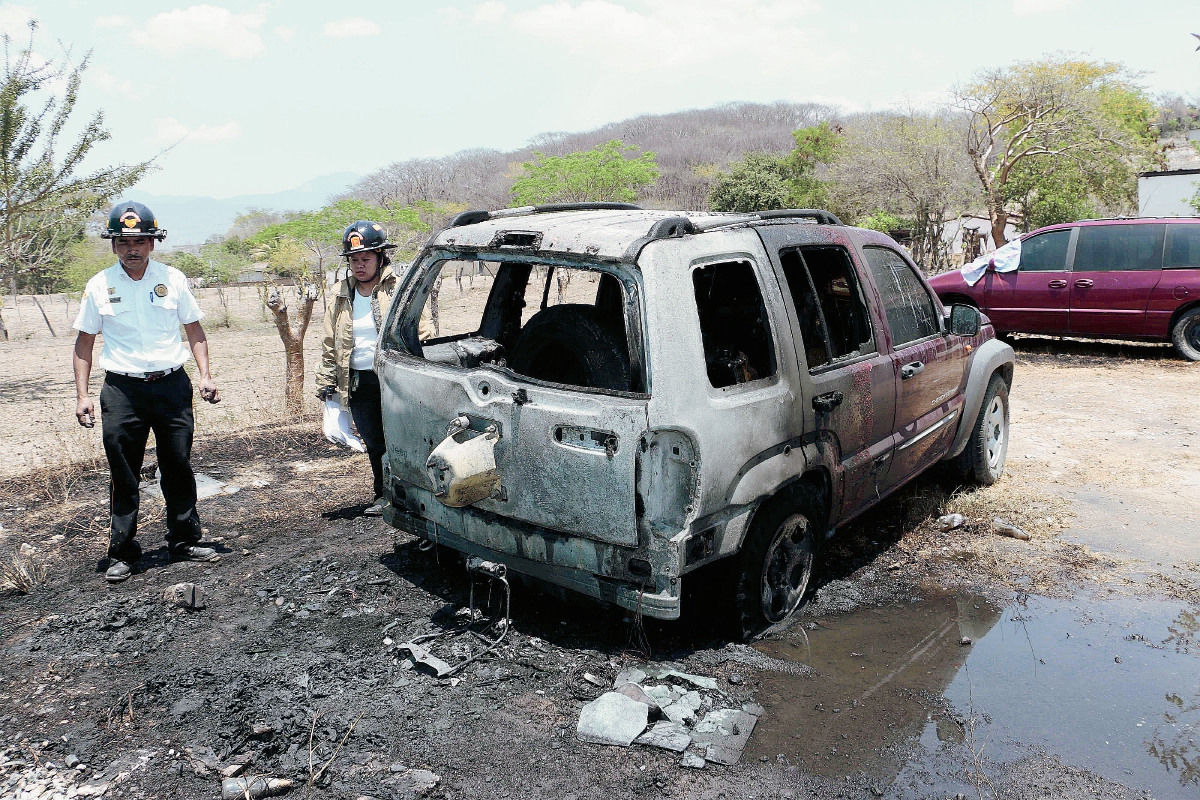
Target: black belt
148,376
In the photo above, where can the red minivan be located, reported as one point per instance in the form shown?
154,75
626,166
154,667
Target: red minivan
1111,279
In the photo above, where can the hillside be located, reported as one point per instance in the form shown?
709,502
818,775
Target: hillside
690,145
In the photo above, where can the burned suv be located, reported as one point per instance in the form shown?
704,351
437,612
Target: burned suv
636,394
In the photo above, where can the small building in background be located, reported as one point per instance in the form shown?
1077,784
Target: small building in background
1168,193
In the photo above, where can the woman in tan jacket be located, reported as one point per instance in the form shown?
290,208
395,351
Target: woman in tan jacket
352,326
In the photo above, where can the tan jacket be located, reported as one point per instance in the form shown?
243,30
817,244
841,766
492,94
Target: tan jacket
339,331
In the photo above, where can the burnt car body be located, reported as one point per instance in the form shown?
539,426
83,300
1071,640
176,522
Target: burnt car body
740,386
1136,279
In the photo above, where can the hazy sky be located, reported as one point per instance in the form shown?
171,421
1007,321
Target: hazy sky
265,96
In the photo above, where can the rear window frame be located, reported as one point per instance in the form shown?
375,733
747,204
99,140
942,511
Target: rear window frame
413,293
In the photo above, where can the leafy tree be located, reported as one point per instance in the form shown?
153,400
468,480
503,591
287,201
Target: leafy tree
1086,113
84,258
881,221
602,174
44,199
759,182
1195,201
762,182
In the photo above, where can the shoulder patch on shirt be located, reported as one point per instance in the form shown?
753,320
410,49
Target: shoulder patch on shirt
161,290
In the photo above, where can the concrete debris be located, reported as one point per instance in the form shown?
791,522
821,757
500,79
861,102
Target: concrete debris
206,486
414,783
726,733
254,787
951,521
671,674
612,718
684,709
692,760
753,709
1006,528
635,692
667,735
186,595
629,675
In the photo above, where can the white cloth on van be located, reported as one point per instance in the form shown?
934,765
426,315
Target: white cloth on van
337,425
1005,258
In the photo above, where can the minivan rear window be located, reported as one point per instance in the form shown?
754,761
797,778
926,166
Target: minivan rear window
1183,247
1119,248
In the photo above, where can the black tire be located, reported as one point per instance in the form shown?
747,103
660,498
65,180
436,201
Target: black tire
773,570
983,459
571,344
1186,334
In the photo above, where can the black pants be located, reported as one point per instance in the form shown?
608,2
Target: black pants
366,406
130,409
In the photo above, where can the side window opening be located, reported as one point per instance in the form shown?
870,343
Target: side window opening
545,322
833,318
738,346
911,312
1046,252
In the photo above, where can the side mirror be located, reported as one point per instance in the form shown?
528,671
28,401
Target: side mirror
964,320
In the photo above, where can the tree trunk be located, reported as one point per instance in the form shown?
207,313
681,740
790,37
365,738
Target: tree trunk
3,329
999,219
46,319
293,342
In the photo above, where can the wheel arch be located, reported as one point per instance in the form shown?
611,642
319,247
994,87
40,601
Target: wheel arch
992,357
1179,312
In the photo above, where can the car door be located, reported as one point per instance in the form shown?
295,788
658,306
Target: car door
1180,281
1035,298
1115,270
928,363
851,404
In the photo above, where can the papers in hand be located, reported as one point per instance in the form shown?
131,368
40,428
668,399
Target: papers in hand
337,426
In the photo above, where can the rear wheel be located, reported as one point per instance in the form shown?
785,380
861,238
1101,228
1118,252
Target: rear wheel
987,447
1186,335
775,566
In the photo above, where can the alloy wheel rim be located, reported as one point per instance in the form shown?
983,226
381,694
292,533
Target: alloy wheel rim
786,569
997,432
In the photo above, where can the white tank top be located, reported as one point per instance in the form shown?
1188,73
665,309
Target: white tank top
363,355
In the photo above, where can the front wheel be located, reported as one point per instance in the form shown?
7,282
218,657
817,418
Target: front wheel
987,447
1186,335
774,568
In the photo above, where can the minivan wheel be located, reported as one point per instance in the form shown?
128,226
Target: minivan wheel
1186,335
987,448
775,567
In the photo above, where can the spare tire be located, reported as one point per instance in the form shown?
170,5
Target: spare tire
573,345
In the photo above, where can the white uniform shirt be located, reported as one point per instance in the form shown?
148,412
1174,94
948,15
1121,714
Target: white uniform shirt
365,334
139,319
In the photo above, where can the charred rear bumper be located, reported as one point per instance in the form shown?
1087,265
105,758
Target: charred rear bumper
591,568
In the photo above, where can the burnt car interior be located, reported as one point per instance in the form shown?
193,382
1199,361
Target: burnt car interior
829,305
546,322
733,324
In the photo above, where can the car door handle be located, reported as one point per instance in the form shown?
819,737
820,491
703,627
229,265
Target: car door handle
824,403
1057,284
911,370
1083,283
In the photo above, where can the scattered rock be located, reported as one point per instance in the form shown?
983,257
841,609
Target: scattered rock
965,641
754,709
692,761
629,675
1006,528
186,595
667,735
950,522
415,783
258,786
612,718
71,761
736,679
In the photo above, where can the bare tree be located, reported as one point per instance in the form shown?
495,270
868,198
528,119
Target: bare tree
292,336
910,164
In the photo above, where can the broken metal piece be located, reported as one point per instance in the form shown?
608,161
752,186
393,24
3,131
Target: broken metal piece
726,733
423,657
464,472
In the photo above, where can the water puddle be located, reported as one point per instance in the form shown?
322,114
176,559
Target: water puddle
1111,686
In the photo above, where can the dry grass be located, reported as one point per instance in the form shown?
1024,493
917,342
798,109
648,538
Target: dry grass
22,573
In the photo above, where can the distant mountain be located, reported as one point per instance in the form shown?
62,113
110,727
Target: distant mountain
191,220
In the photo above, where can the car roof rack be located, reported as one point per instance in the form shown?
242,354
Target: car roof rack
821,216
480,215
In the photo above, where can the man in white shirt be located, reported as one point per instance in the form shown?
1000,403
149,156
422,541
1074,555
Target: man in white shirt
139,304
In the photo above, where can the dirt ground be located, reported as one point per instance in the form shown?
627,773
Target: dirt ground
292,664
